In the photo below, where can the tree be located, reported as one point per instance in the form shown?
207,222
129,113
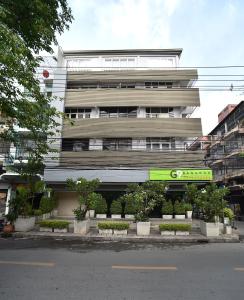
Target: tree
26,28
85,189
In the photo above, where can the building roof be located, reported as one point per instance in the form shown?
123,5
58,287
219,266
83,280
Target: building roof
226,117
175,51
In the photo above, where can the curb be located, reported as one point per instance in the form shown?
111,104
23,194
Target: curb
133,239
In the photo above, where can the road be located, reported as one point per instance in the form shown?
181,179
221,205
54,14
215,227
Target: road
46,269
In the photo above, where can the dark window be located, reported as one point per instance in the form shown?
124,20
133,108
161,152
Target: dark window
75,145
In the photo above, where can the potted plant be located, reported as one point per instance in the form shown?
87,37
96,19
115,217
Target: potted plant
188,210
228,217
21,207
101,208
116,209
129,208
166,229
84,189
93,199
167,210
115,228
179,209
9,225
58,226
182,229
211,202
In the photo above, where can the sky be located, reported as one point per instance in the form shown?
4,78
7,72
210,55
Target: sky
209,31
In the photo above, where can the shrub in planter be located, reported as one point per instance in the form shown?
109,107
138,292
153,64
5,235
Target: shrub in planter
228,215
188,210
179,209
178,229
101,207
129,208
54,225
167,210
116,209
113,227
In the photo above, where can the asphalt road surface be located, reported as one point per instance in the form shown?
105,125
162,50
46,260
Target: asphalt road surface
63,270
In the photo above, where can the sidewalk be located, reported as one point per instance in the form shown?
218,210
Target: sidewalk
153,238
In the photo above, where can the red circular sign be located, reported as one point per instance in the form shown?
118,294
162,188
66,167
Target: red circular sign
45,73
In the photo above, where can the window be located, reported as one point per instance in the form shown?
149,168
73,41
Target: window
117,144
78,113
160,144
158,84
159,112
118,112
75,145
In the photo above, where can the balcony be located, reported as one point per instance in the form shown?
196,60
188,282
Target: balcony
132,97
134,127
135,159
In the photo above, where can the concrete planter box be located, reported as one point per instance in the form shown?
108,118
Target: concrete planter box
209,229
226,221
167,217
180,217
81,227
120,232
167,232
46,216
228,229
101,216
182,233
55,213
116,216
189,214
105,231
24,224
132,217
46,229
92,213
143,228
60,230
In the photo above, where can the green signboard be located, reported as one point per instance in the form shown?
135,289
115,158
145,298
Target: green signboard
181,174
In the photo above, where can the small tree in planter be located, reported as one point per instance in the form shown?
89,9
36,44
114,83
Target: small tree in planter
228,217
94,198
179,209
20,207
188,210
116,209
167,210
211,201
101,207
130,209
83,188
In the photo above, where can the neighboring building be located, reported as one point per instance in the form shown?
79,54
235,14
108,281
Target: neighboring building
225,155
225,112
131,111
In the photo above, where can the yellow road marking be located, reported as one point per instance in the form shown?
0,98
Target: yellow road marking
27,263
239,269
169,268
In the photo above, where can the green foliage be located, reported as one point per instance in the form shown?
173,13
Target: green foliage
85,189
129,204
54,224
116,207
145,197
80,213
228,213
37,212
188,207
167,208
192,193
101,206
113,225
211,201
179,208
175,227
93,199
47,204
26,28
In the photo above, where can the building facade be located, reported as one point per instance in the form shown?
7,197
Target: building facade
128,119
225,155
